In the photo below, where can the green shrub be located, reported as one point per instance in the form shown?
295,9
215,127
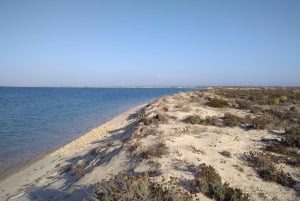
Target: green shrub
194,119
218,103
266,169
262,96
213,121
137,188
276,101
283,98
208,182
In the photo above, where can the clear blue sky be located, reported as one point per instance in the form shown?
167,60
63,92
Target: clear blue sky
149,42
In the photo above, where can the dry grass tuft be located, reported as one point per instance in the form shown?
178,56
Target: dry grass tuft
198,151
158,150
133,147
78,169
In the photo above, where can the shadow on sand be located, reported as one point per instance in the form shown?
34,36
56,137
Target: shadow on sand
68,176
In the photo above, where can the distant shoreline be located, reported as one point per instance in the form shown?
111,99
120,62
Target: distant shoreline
111,87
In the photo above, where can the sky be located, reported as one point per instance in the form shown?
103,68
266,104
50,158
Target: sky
149,43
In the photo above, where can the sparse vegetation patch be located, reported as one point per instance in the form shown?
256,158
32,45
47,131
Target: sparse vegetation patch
292,137
194,119
231,120
137,188
226,154
155,150
264,165
208,181
156,119
218,103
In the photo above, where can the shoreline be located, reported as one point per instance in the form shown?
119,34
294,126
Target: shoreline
27,173
16,167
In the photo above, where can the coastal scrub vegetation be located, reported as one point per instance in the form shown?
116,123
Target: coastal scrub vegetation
208,182
141,187
156,119
229,120
288,146
218,103
155,150
292,137
136,188
278,105
262,96
193,119
264,165
196,119
262,110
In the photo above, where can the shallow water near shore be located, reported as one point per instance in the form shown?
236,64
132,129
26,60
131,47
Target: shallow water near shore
37,120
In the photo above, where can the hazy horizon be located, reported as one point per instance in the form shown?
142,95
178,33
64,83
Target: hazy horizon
64,43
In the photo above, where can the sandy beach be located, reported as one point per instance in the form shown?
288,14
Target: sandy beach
165,141
43,178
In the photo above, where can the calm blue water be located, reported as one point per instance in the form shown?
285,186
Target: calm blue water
36,120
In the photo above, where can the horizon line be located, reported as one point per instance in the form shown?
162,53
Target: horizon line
150,86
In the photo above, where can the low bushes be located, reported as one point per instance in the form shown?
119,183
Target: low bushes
244,105
137,188
266,169
156,150
208,182
259,122
231,120
193,119
262,96
218,103
289,146
158,118
292,137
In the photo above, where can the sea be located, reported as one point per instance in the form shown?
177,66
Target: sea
35,121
